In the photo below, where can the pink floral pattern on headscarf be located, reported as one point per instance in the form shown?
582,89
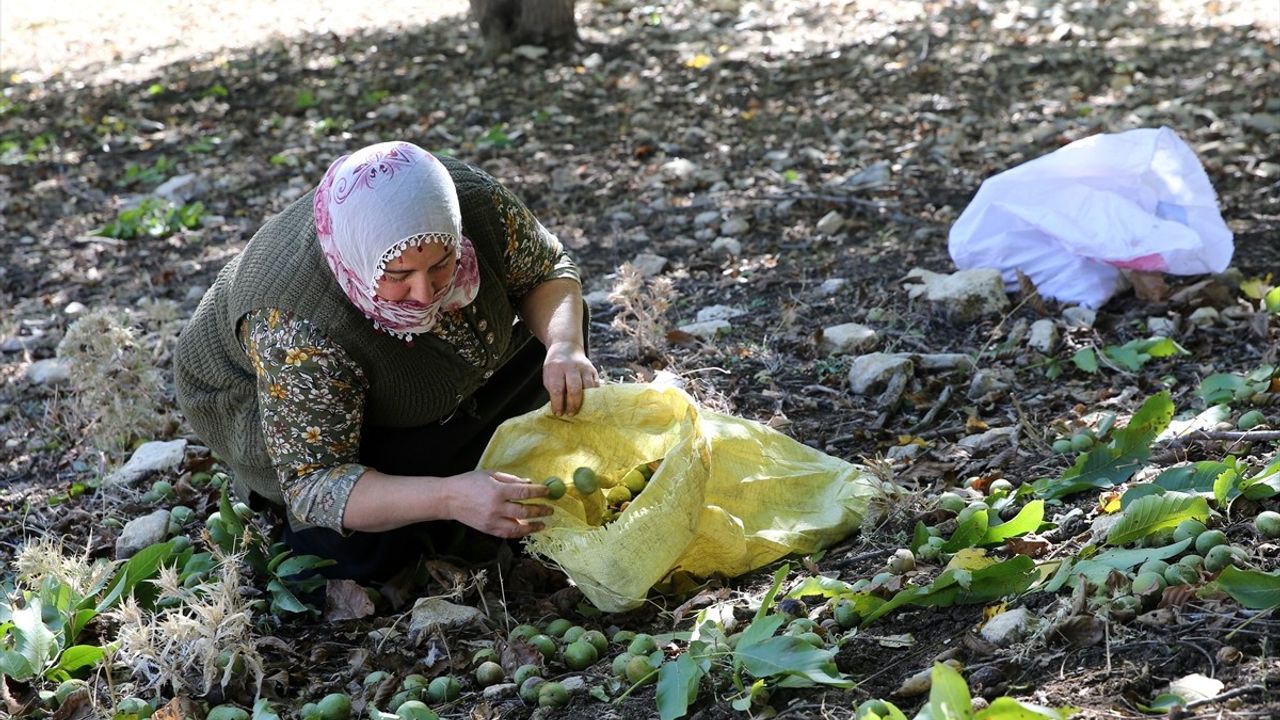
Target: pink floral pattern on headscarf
374,204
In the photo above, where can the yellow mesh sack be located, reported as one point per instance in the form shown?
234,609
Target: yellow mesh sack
729,496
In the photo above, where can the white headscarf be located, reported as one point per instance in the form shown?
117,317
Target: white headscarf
371,206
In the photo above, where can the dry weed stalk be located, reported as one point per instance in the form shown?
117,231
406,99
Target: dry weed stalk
180,645
45,558
117,392
642,309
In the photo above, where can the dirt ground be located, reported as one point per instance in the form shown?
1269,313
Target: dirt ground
670,128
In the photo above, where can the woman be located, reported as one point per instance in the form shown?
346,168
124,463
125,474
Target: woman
352,363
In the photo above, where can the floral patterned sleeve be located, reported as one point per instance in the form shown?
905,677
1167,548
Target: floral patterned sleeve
533,255
311,396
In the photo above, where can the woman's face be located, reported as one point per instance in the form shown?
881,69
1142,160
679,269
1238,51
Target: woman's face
418,274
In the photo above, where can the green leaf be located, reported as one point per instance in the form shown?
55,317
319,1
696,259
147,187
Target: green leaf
1137,492
262,711
961,587
1196,477
1163,703
13,664
1251,588
1006,708
80,656
301,563
743,702
1155,513
1225,486
1219,388
876,709
1128,558
760,630
233,523
968,533
821,585
283,600
1086,359
677,686
1027,520
792,657
136,569
919,537
949,695
1272,301
32,639
1263,484
1109,465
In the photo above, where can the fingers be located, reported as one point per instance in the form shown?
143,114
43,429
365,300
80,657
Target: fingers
565,388
573,393
517,530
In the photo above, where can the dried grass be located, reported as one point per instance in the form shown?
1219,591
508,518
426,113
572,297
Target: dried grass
642,307
179,646
46,558
117,393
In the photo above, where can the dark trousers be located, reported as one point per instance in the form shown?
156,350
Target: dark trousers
436,449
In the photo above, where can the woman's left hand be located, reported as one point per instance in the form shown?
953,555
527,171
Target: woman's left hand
565,374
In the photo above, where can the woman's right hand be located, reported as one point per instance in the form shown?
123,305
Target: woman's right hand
491,503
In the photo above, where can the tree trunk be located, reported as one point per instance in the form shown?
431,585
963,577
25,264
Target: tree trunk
508,23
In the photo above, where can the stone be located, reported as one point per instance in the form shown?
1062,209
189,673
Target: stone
680,172
180,189
870,372
74,308
986,380
431,613
50,372
965,295
832,286
706,330
726,246
499,691
1162,326
706,218
940,361
149,458
598,299
21,343
1044,336
867,178
1203,317
906,452
142,532
574,684
529,52
195,293
1009,627
735,226
719,312
831,223
649,265
1079,317
847,338
989,439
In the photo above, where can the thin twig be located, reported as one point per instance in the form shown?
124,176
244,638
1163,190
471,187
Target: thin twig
1246,690
1233,435
928,418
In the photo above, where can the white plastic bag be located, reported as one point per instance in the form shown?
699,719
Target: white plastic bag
1071,219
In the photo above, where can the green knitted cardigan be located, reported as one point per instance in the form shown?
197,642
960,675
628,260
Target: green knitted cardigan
410,384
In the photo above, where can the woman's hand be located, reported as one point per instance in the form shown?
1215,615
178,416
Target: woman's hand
490,503
553,312
565,374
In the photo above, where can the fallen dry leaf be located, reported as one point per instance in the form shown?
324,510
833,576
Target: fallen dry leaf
1028,545
1080,631
346,600
1149,286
